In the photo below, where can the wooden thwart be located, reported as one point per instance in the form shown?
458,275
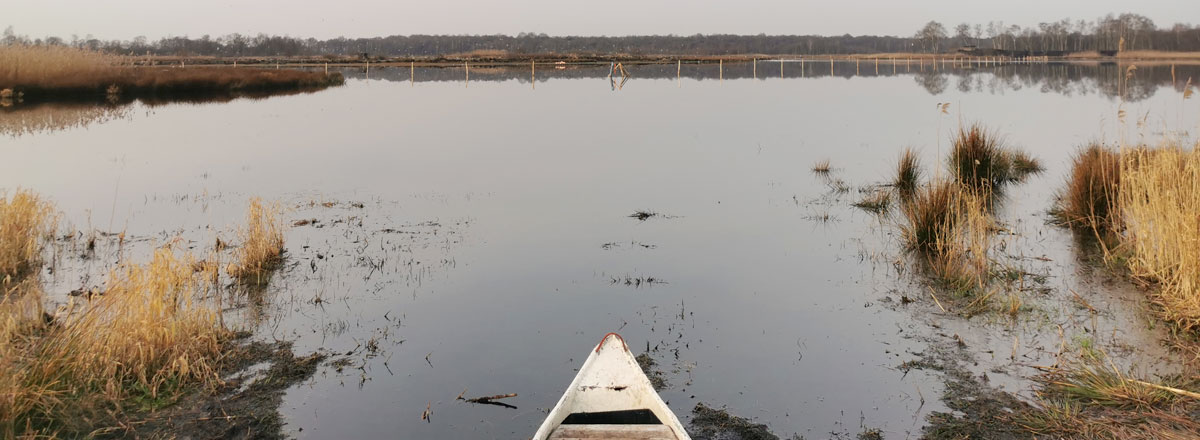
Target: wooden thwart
630,432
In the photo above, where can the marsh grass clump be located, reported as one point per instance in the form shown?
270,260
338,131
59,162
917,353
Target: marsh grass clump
1089,200
151,336
908,173
929,213
979,158
949,227
1088,397
877,202
261,250
25,219
821,167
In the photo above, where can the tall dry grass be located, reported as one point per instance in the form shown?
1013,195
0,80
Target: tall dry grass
55,66
149,336
25,219
948,225
1090,197
1159,203
261,248
908,172
39,72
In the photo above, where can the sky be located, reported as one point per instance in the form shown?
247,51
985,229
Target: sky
126,19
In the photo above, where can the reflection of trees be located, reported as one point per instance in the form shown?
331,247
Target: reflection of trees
1070,79
22,119
932,82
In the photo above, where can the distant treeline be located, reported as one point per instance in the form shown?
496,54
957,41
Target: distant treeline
1106,34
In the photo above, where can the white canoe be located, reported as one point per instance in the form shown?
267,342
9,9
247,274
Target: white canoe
611,398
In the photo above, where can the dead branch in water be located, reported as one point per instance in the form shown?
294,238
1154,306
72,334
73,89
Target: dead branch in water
488,399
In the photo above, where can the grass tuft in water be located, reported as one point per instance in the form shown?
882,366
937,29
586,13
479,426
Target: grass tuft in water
261,250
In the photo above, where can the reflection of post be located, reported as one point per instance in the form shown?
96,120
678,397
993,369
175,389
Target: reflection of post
756,68
367,68
831,65
780,67
678,70
532,74
467,71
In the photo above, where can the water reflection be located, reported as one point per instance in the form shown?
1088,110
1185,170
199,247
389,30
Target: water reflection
38,118
1069,79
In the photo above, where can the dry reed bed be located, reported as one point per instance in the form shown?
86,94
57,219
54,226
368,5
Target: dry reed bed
1141,204
43,72
24,220
153,333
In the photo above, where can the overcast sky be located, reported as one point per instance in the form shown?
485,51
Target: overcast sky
125,19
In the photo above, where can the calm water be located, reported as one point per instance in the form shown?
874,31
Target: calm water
493,239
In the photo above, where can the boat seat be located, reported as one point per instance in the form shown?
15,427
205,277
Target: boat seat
607,432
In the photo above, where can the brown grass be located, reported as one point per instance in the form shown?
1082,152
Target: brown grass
149,337
1092,189
25,219
261,248
908,173
821,167
42,72
1159,202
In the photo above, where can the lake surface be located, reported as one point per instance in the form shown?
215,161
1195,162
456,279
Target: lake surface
476,234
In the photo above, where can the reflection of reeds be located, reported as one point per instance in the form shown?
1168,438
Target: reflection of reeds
29,119
261,249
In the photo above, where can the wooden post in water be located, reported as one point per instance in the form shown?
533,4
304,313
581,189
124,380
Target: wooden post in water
893,66
856,66
755,62
780,67
326,67
235,65
721,70
678,72
367,68
533,74
877,65
412,73
831,65
467,72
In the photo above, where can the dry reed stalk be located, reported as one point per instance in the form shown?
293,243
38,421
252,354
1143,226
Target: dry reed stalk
261,250
149,337
25,219
1158,198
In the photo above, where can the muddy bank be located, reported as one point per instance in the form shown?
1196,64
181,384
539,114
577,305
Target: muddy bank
246,406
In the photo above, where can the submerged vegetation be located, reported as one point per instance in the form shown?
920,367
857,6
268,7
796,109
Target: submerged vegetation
35,73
